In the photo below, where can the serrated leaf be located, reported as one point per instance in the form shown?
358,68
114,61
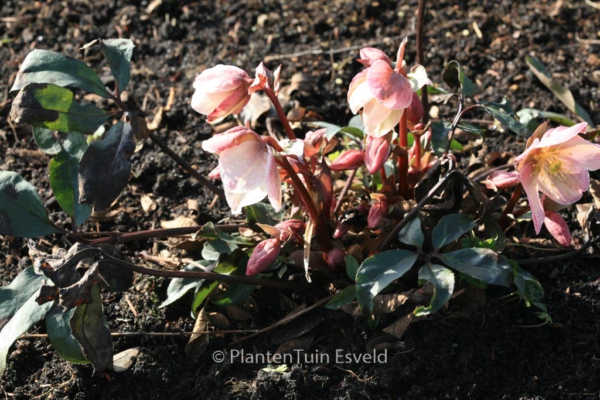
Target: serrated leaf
561,92
178,287
53,107
21,211
450,228
64,177
351,266
90,328
442,280
378,271
483,264
118,54
412,234
346,296
45,66
105,167
60,335
455,77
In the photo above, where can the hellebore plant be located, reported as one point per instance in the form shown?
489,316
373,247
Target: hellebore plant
359,207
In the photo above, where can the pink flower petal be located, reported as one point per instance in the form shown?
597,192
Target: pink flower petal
220,78
581,152
529,181
561,134
377,151
391,88
379,120
206,103
231,105
359,93
567,185
502,180
370,54
273,181
231,138
558,228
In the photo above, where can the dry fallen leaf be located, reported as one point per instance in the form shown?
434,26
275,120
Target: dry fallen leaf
125,359
179,222
218,320
198,342
148,204
398,327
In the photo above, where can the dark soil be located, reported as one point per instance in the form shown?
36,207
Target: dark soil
497,352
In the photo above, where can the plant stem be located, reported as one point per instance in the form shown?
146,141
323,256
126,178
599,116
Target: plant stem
347,185
321,227
246,280
457,119
566,256
284,121
510,206
421,57
403,159
418,150
183,164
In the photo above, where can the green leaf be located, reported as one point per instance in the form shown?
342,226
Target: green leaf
90,329
412,234
21,211
482,264
45,66
262,213
24,318
378,271
440,136
504,113
235,294
46,140
351,266
105,167
455,77
213,249
346,296
15,295
60,335
442,280
202,295
178,287
64,177
332,129
50,106
450,228
118,54
471,128
529,117
561,92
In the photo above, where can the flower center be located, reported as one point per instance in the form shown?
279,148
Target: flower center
549,161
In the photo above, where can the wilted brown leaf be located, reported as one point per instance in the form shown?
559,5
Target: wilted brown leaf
198,342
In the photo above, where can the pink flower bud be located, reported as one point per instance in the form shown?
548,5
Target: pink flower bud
221,91
265,79
341,229
288,228
414,112
558,228
378,210
498,180
265,254
369,55
351,159
377,152
335,257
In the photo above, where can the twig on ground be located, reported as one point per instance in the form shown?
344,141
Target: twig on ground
31,336
561,257
344,191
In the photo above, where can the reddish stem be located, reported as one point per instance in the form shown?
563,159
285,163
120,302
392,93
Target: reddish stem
284,121
510,206
403,159
418,150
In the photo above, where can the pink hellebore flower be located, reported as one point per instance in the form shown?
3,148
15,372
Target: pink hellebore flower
221,91
557,165
247,168
382,92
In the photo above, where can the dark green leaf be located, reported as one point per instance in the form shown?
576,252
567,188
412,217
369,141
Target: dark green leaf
213,249
561,92
64,177
60,335
529,117
455,77
439,136
47,140
235,294
50,106
346,296
442,280
505,114
482,264
90,329
263,214
202,295
412,234
21,211
471,128
105,167
45,66
351,266
13,296
118,53
378,271
178,287
332,129
450,228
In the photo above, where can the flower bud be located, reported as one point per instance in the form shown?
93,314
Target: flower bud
335,257
341,229
558,228
414,112
351,159
265,253
498,180
265,79
378,210
288,228
377,152
221,91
